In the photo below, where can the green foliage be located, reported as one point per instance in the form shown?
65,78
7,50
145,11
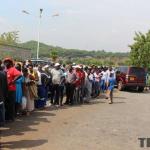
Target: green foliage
67,56
6,54
140,50
54,55
88,61
9,38
94,61
68,61
72,53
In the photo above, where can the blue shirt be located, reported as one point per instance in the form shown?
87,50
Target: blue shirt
111,82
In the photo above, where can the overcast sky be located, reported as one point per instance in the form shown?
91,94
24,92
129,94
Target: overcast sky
82,24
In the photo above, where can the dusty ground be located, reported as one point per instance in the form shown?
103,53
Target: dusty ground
97,126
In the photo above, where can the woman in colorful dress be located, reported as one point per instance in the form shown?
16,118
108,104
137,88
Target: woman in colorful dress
27,93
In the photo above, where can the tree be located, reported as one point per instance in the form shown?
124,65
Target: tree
54,55
140,50
9,38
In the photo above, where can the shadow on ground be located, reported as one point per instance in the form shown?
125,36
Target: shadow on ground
136,91
120,97
23,144
118,102
23,124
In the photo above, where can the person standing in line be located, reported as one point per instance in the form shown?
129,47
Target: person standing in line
33,72
57,74
103,80
110,87
97,82
12,75
62,87
82,84
88,86
70,86
78,83
3,94
92,79
33,75
19,89
42,84
27,93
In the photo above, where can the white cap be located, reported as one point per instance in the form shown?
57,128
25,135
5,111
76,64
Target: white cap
45,67
77,66
56,65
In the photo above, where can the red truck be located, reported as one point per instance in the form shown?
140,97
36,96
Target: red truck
129,77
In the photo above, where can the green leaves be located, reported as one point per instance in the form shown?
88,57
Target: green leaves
140,50
54,55
9,38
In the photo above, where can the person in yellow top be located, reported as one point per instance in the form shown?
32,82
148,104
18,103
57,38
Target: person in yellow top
33,73
34,78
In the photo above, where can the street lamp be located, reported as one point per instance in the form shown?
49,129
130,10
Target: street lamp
24,11
39,25
55,15
38,45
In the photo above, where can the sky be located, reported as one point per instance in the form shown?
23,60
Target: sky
83,24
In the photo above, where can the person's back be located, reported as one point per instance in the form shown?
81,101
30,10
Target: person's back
71,77
3,94
97,77
3,86
56,75
78,78
104,75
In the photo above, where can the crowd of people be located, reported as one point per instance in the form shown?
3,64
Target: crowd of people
25,86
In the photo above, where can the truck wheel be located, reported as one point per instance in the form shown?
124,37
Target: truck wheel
120,86
140,89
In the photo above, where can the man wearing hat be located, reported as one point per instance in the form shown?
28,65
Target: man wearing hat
57,74
12,75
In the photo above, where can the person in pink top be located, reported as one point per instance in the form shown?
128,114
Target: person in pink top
12,75
97,78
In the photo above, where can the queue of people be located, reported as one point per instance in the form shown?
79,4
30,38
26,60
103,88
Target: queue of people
25,86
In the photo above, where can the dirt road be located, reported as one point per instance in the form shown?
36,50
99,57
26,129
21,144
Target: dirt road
96,126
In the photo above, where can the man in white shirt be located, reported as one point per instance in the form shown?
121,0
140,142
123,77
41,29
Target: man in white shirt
57,74
88,86
103,80
110,71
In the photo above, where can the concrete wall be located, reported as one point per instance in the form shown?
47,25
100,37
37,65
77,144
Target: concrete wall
14,52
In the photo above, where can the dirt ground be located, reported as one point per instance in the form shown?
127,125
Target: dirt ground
94,126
